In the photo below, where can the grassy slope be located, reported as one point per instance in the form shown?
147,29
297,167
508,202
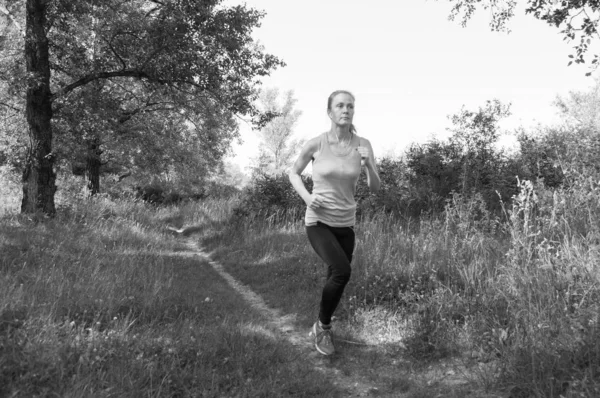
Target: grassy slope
98,302
276,261
510,305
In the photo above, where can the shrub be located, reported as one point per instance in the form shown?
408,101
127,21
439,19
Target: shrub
272,195
392,197
162,193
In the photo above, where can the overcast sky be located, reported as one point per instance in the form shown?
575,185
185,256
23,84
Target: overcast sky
408,66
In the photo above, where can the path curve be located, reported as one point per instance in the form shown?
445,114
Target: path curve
284,324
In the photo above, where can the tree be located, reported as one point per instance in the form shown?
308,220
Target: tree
144,134
12,75
469,162
581,108
277,145
436,168
476,134
186,49
558,155
541,155
577,20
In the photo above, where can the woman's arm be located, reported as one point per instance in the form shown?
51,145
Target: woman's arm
312,200
306,155
366,152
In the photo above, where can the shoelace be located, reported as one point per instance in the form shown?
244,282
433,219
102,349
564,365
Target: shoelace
325,334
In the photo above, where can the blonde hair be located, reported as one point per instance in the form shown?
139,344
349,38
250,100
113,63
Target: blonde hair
330,101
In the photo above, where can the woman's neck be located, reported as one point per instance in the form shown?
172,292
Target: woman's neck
340,133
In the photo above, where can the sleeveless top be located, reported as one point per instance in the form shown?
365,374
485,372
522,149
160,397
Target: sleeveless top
334,178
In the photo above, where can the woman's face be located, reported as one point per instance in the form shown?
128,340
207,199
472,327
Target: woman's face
342,109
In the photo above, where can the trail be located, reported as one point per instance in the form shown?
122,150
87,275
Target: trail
355,385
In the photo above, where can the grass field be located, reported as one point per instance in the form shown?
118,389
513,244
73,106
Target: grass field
103,300
102,305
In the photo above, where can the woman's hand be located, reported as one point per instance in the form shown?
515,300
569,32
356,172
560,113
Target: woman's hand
365,158
317,201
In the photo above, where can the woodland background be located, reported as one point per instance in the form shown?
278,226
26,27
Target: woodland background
116,119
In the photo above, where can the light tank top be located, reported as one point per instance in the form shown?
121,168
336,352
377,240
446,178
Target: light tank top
334,178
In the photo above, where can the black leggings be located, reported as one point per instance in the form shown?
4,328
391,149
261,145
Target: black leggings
335,246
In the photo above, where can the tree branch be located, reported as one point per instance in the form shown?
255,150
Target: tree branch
9,106
5,11
104,75
109,42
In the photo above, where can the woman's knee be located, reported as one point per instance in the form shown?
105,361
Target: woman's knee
342,273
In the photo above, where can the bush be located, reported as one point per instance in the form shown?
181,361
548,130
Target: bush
216,190
392,197
272,195
161,193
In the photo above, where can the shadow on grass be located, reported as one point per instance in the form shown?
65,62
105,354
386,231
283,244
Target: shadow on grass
117,320
281,267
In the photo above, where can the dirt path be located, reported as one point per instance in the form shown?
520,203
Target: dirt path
355,385
353,370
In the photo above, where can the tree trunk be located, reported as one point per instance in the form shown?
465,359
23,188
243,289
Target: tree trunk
39,179
92,167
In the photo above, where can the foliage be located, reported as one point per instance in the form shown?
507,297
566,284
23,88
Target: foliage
541,154
116,71
475,134
231,173
177,48
393,196
580,108
435,169
168,193
13,145
272,196
515,294
277,146
469,162
577,20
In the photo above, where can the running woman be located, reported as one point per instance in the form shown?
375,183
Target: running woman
337,157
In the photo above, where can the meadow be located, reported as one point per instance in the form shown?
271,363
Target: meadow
100,301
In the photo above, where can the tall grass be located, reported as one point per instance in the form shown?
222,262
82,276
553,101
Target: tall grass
98,302
520,292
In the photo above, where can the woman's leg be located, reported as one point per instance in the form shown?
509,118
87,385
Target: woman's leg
335,246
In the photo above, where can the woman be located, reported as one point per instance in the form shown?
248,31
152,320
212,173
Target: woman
337,156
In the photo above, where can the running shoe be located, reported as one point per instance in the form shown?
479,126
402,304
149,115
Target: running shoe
323,339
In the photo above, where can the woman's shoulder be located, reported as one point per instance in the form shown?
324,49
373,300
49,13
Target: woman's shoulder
314,143
363,141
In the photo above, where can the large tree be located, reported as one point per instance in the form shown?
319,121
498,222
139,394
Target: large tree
577,20
188,50
129,129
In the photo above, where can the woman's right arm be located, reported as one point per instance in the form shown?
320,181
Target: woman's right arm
306,155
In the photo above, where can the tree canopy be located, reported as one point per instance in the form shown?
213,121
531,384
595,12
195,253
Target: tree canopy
124,66
577,20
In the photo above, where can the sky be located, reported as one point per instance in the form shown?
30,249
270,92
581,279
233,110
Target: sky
408,67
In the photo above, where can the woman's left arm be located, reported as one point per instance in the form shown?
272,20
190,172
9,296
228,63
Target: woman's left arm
366,152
